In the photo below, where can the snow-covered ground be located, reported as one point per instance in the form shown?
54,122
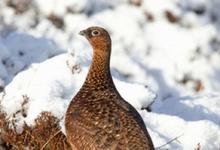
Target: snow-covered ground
165,53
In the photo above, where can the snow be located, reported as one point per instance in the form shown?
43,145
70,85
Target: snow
171,66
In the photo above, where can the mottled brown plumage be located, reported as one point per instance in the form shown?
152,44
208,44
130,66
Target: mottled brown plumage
98,118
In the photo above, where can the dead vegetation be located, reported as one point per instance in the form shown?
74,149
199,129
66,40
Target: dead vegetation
20,6
198,147
197,84
44,135
56,20
171,17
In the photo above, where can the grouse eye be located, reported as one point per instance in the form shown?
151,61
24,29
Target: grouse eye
95,33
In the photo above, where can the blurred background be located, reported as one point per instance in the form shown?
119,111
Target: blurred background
172,46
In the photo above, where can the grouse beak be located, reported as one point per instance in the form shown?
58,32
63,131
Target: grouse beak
83,32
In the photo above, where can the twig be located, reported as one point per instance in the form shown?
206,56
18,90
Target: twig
50,140
31,136
169,141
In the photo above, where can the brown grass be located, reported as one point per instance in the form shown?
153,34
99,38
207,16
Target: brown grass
44,135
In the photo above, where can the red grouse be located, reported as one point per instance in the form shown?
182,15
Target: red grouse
98,118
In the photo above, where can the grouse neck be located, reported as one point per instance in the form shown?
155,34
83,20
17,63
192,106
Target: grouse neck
99,71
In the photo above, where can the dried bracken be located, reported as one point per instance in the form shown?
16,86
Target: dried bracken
20,6
149,16
197,84
135,2
44,135
171,17
56,20
198,147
